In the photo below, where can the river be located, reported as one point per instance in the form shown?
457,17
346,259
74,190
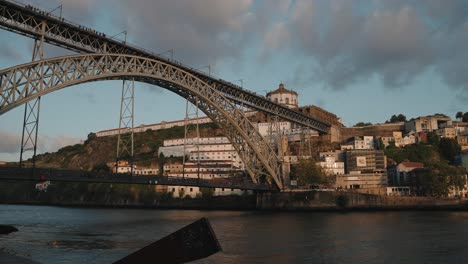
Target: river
81,235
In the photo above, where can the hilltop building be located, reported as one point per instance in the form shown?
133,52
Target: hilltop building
427,123
283,96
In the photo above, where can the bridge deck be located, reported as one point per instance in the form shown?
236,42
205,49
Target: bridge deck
56,175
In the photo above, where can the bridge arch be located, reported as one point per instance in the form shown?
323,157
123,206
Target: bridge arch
25,82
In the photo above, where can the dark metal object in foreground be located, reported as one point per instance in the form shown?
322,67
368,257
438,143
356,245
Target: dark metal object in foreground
7,229
195,241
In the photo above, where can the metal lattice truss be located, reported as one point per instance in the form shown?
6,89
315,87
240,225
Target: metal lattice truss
23,83
27,21
126,121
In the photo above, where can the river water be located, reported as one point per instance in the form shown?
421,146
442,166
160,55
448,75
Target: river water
76,235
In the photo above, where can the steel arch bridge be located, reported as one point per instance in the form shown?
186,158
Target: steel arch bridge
26,82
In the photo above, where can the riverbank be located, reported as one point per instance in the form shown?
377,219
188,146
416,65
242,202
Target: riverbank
284,201
352,201
140,196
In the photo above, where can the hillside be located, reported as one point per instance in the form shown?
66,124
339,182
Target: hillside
96,151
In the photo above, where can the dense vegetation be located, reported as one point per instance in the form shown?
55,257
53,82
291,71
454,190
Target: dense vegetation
462,116
396,119
307,173
438,156
96,152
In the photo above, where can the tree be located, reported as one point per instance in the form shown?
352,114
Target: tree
459,116
101,167
449,149
308,172
206,192
440,178
396,119
465,117
426,154
432,139
361,124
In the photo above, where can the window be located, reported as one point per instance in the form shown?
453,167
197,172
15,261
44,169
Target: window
191,189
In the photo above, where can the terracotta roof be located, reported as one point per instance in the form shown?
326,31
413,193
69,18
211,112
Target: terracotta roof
410,164
281,89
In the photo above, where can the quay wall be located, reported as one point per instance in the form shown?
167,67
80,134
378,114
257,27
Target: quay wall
331,200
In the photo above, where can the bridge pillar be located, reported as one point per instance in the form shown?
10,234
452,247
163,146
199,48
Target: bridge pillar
126,125
286,174
31,109
191,113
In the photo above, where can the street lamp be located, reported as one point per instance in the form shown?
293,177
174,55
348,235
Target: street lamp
207,66
241,82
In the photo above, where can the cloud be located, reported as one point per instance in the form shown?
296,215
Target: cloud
347,42
200,32
10,52
11,143
339,42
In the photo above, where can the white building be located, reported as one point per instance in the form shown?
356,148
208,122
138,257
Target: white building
406,140
332,167
426,123
176,148
266,129
283,96
163,125
365,142
123,167
211,158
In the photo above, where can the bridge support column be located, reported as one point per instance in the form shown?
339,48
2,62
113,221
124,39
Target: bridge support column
126,125
31,109
286,174
191,112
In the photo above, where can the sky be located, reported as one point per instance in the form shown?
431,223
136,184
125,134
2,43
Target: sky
363,60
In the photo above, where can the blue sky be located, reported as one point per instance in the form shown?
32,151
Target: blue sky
362,60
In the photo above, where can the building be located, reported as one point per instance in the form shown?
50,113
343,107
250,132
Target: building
283,96
365,161
406,140
122,166
177,147
461,128
266,129
326,117
331,166
463,141
399,175
363,142
363,182
211,158
426,123
164,125
398,191
446,132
